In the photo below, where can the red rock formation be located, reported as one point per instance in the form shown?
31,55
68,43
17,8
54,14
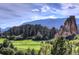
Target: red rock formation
69,27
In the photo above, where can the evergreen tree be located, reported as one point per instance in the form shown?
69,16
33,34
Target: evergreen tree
29,30
28,51
6,43
58,47
11,46
33,52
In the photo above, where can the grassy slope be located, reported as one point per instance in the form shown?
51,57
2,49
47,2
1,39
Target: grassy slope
25,44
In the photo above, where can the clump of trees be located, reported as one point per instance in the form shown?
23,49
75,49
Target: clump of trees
7,48
58,46
39,36
61,46
7,51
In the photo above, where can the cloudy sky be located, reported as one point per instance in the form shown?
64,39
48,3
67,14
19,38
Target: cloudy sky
16,14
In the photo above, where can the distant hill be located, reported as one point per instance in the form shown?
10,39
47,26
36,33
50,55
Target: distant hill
3,30
49,22
46,22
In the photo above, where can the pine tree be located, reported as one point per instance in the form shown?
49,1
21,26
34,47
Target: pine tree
58,47
33,52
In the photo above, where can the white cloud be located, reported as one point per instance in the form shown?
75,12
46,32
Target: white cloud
68,9
38,17
35,10
43,11
52,16
45,8
65,10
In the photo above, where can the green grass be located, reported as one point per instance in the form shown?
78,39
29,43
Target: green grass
25,44
1,40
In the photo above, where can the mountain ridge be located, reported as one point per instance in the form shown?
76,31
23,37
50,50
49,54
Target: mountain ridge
49,22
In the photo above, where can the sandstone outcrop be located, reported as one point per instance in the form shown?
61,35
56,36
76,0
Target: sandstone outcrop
69,27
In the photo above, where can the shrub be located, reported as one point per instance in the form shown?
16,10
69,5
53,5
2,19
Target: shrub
41,52
33,52
0,45
11,38
6,43
19,37
45,50
11,46
37,38
45,37
58,46
19,52
7,51
28,51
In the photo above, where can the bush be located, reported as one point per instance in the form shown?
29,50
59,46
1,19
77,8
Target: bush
33,52
6,43
0,45
11,46
19,37
7,51
45,50
40,52
19,52
37,38
11,38
58,46
28,51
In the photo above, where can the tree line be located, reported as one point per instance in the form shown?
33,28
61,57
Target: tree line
31,31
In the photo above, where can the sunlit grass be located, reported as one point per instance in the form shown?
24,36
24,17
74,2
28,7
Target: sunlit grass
25,44
1,40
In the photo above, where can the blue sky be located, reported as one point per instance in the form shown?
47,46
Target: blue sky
16,14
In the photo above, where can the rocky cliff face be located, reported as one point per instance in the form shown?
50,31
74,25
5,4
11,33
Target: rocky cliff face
69,27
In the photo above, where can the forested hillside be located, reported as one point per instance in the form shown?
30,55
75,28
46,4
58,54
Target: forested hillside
31,31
